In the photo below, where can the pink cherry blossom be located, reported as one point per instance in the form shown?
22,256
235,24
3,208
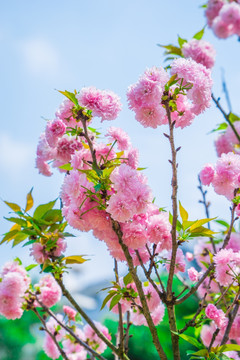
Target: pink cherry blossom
103,103
50,292
200,51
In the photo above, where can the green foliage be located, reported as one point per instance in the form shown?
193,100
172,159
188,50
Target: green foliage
191,229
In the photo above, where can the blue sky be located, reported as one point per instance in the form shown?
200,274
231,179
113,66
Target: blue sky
48,45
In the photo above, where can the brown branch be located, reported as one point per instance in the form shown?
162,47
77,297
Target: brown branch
69,330
146,312
226,117
156,272
120,334
160,294
87,318
206,206
231,318
174,183
50,334
215,334
192,322
211,267
127,336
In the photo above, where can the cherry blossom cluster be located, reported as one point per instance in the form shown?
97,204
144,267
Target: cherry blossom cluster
146,97
227,141
223,17
74,350
58,147
224,176
40,253
200,51
13,286
220,321
15,291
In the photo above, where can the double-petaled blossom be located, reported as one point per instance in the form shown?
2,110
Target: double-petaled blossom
13,287
50,291
200,51
224,176
223,17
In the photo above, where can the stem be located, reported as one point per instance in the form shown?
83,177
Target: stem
127,333
146,312
206,206
87,318
226,117
211,267
231,317
170,306
148,276
156,272
51,335
120,334
215,334
192,322
78,340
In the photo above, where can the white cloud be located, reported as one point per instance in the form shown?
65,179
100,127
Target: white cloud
14,155
39,56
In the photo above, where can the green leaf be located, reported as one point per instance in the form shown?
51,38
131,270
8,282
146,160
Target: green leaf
29,201
19,238
30,242
9,235
30,267
190,339
199,223
233,117
78,318
97,187
171,49
229,347
170,218
18,260
223,223
202,352
202,231
187,224
107,298
127,279
70,96
13,206
115,300
18,221
183,212
42,209
222,126
181,41
75,259
53,215
199,34
66,167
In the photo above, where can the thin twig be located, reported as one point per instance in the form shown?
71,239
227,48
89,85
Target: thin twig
146,312
127,335
149,277
226,117
70,331
120,334
50,334
86,317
